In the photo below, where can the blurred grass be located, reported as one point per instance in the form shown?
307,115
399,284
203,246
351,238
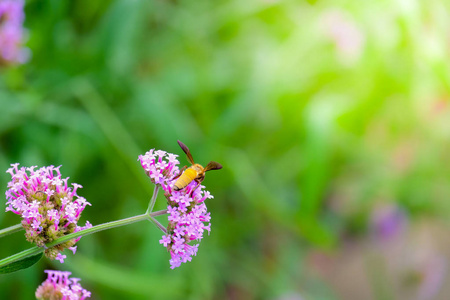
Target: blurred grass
311,138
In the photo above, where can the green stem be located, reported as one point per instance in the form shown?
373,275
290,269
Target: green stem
153,200
159,225
97,228
21,255
93,229
11,229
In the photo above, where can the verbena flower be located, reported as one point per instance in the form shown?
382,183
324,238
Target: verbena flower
58,286
160,166
188,217
49,207
12,33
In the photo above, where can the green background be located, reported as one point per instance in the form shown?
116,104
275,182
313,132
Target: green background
322,113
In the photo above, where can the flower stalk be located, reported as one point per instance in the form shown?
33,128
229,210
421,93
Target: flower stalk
36,250
10,230
153,199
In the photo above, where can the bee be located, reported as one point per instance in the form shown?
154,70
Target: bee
195,172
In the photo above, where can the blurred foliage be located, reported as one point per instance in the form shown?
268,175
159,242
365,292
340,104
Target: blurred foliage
318,110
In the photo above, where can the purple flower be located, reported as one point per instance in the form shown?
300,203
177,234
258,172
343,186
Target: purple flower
49,207
186,208
187,218
165,240
158,167
61,257
58,285
388,221
12,33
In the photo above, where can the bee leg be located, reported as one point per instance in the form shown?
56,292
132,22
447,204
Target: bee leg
181,172
198,184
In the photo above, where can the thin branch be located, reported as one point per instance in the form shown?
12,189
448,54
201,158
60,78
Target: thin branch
11,229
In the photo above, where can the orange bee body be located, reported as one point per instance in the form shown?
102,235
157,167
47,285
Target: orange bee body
195,172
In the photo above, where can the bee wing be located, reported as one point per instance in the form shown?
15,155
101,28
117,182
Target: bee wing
212,165
186,150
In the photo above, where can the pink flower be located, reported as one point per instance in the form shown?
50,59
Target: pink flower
49,208
157,168
12,33
187,210
61,257
59,284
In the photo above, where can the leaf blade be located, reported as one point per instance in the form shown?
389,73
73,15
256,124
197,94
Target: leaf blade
21,264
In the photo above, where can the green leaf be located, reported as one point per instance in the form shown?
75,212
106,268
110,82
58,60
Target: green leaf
21,264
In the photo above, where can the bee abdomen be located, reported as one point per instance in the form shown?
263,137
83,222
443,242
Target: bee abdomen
185,179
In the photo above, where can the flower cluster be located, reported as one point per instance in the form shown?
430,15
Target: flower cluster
58,285
160,166
49,207
12,32
186,208
187,218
